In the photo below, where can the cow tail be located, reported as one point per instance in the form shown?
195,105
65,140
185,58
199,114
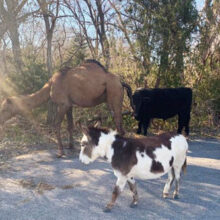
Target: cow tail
129,93
184,167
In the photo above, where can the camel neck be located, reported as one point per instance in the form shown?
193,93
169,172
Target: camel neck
35,99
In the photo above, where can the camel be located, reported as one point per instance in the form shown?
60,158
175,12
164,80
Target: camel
87,85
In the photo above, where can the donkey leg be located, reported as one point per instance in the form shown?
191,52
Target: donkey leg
177,182
169,183
60,115
120,184
133,188
69,116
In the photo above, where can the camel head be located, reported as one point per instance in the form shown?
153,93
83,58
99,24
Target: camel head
8,109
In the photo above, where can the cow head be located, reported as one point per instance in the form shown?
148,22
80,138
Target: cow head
139,101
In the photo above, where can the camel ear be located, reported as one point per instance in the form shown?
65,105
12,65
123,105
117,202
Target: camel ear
97,124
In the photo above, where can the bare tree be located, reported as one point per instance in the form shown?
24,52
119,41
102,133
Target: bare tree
50,16
77,13
50,19
92,13
12,14
10,20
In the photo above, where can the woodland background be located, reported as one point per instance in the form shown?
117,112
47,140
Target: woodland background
148,43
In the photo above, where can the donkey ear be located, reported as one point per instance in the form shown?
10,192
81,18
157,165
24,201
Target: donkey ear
85,130
82,128
97,124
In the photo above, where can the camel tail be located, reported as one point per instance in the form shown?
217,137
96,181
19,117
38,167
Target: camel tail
129,93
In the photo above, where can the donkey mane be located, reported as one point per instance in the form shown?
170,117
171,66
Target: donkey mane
95,133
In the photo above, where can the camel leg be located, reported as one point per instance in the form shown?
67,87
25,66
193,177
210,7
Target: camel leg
69,116
114,100
118,121
60,115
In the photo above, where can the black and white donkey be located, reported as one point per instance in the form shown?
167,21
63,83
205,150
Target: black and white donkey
144,158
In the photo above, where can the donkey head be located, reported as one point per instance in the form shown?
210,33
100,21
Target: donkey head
91,148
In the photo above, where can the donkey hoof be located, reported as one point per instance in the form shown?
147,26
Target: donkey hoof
133,205
107,209
60,154
69,147
165,195
175,196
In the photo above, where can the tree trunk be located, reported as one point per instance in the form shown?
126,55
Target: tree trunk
14,36
52,107
49,52
4,60
50,21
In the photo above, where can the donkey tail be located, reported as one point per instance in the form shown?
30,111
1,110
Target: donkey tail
184,167
129,93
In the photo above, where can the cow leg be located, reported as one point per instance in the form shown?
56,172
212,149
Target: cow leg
120,184
60,115
187,124
146,125
180,123
139,127
133,188
69,116
168,184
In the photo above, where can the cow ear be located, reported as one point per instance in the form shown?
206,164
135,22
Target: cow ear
146,99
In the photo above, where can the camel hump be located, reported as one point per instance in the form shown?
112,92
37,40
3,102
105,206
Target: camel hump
63,70
97,63
65,67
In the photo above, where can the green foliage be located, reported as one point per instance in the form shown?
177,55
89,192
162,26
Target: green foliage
32,78
163,31
76,53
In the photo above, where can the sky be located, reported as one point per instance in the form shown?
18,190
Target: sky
200,4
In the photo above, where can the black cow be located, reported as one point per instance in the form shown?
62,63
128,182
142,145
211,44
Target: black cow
164,104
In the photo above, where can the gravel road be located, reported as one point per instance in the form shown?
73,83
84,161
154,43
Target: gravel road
39,186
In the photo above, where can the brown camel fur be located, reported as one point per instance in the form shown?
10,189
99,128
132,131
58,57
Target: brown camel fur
87,85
